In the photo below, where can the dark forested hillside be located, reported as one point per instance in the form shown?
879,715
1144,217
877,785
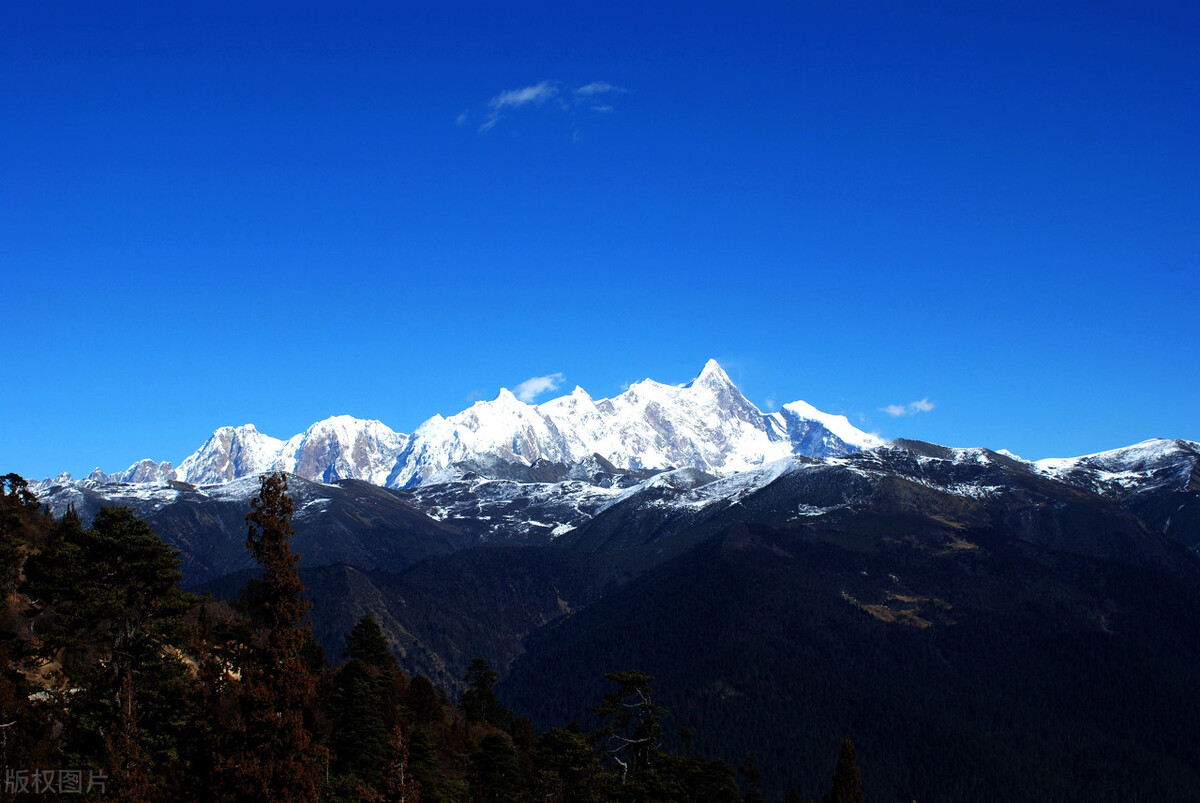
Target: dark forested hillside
126,687
351,522
447,610
953,667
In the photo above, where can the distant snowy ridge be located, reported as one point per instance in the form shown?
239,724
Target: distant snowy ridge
337,448
1143,456
707,424
1159,462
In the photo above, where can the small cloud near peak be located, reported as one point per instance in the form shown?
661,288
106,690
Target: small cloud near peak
912,408
533,387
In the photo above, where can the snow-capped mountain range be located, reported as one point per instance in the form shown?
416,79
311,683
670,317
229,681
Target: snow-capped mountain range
706,424
652,460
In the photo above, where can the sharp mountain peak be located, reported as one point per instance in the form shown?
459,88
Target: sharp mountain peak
706,424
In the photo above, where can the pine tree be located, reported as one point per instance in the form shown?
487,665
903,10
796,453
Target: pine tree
495,776
568,768
693,778
274,601
363,706
108,611
18,507
366,642
359,739
112,589
427,770
847,783
268,752
716,783
634,732
25,738
479,702
422,701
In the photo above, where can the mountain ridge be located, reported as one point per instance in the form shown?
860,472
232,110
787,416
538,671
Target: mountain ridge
707,424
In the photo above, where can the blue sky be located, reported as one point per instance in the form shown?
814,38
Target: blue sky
226,213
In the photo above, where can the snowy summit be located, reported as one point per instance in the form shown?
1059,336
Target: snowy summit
706,424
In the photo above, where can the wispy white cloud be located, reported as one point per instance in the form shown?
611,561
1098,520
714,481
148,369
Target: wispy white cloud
551,94
537,94
462,117
531,388
912,408
598,88
515,99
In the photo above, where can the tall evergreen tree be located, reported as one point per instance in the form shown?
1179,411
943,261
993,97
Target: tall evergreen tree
422,701
568,769
479,702
495,775
18,509
111,591
633,733
269,752
427,770
362,706
359,738
847,783
366,642
715,783
109,611
274,601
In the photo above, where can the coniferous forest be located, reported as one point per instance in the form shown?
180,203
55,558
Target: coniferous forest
114,682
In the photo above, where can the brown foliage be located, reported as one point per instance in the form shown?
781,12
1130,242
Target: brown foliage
267,751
